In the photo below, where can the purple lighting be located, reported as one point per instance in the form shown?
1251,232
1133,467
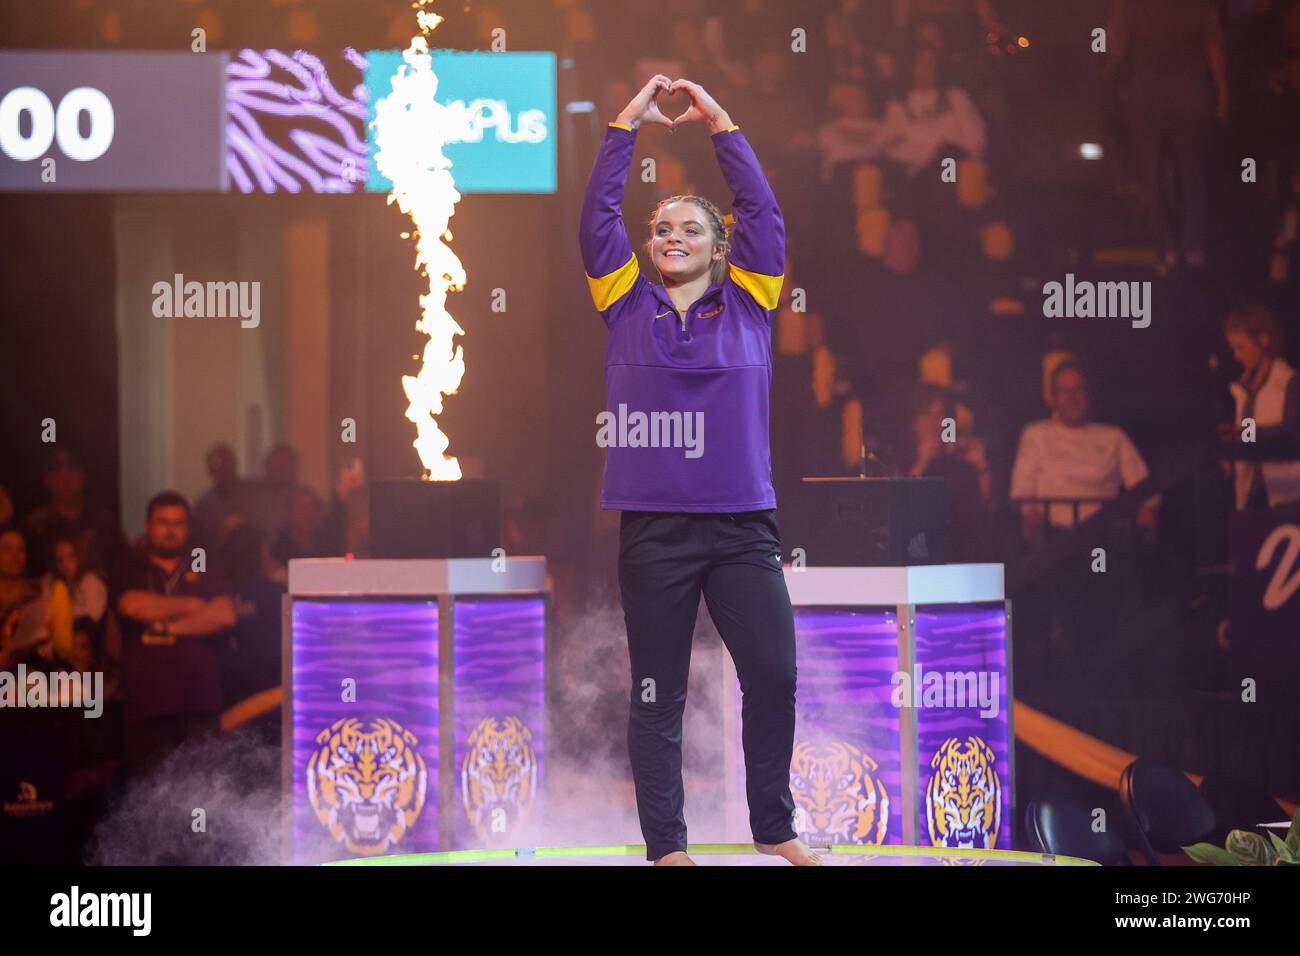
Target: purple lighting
289,128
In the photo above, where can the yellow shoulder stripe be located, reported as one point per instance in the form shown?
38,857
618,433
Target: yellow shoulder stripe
765,289
608,289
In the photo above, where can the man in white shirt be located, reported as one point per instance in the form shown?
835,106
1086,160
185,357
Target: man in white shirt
1067,456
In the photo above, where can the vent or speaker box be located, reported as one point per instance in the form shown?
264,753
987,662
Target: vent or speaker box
413,518
873,522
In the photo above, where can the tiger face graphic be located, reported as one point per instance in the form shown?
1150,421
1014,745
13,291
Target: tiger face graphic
498,779
367,783
838,794
963,801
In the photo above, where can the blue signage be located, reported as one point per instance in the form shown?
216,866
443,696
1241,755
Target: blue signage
507,100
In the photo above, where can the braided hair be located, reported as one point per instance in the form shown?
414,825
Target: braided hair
717,225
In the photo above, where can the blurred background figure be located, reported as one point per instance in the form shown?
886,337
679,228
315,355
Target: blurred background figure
1069,456
1169,61
220,507
69,513
270,499
250,660
1268,392
303,535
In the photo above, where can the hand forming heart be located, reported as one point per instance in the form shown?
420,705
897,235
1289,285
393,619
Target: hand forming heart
702,105
703,108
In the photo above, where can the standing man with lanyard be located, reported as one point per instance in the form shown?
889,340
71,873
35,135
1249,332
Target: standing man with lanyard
169,615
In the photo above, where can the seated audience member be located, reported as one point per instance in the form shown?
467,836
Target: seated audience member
170,617
69,513
70,563
963,467
216,510
1268,392
931,118
16,588
852,134
41,616
1068,456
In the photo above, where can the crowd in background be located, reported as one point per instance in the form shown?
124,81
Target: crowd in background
908,273
852,139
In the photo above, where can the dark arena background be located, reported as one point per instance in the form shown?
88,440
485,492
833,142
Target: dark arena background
327,537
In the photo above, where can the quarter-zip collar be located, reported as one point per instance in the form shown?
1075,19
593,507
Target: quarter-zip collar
709,297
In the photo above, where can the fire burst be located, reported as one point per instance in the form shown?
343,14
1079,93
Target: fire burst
411,129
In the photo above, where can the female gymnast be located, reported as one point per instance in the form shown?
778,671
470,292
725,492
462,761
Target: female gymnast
688,367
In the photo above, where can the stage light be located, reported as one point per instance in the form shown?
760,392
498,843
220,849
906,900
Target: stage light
1022,42
1091,150
580,106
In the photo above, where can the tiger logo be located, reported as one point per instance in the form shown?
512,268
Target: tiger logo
963,800
498,779
838,794
367,783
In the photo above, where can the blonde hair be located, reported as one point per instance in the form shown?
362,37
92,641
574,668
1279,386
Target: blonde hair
718,225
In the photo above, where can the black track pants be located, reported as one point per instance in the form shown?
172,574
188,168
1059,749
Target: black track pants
666,559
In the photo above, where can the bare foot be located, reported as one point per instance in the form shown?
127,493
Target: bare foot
795,851
676,858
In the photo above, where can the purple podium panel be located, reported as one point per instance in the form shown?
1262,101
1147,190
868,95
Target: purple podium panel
499,647
365,728
903,723
963,726
846,771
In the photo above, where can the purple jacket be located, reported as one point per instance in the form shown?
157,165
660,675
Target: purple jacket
685,425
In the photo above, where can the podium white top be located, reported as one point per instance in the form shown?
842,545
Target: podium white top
883,587
384,577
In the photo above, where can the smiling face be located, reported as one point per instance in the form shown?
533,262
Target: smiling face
682,246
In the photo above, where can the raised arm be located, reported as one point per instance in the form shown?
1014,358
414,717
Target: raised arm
757,253
607,256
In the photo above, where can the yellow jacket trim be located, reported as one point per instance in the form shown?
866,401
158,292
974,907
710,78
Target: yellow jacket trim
608,289
765,289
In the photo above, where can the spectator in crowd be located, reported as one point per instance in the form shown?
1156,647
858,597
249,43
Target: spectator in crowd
1269,393
963,466
1069,456
930,118
303,536
216,510
16,588
70,514
844,42
852,133
1169,61
170,615
271,499
251,662
344,502
87,592
42,617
